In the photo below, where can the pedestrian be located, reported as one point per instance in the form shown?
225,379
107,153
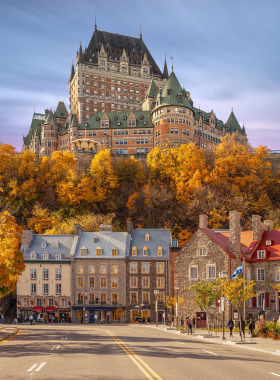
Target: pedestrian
52,318
31,319
251,327
193,323
190,325
230,326
82,318
169,319
187,324
242,327
108,318
2,318
182,323
15,322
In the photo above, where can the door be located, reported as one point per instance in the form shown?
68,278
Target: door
201,320
134,314
160,316
91,316
145,314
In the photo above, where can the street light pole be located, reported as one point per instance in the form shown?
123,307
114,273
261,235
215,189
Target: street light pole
177,304
156,294
223,274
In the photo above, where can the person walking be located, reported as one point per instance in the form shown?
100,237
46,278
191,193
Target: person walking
101,320
182,323
251,327
190,325
242,327
230,326
108,319
193,324
187,325
31,319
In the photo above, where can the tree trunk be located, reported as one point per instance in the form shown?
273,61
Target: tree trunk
240,325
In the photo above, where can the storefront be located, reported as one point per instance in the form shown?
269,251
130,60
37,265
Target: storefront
140,312
96,314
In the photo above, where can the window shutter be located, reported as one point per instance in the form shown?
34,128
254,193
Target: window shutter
254,302
217,302
266,299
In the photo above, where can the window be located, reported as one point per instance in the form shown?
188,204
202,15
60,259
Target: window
133,297
260,274
145,268
91,282
193,272
33,288
159,251
134,251
45,288
114,252
26,302
103,298
202,252
80,297
55,244
161,297
146,297
39,302
50,302
45,256
114,282
63,302
147,237
114,298
33,274
261,299
160,282
58,256
91,268
261,254
145,282
58,289
114,268
160,267
133,282
80,268
133,267
83,251
211,272
80,282
145,251
103,268
43,245
91,297
277,274
98,252
58,274
45,274
103,282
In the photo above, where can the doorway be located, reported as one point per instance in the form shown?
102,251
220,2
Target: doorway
201,320
145,314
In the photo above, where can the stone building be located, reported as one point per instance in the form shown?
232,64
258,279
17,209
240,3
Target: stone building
99,274
45,285
209,252
147,270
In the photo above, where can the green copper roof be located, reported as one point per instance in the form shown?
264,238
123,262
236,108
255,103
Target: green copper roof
74,121
61,111
232,124
50,117
35,129
152,90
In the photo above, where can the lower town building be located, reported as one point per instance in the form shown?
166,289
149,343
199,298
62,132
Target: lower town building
45,286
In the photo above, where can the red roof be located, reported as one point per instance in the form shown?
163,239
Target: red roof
221,240
274,250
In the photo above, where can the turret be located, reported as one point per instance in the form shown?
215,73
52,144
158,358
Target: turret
72,72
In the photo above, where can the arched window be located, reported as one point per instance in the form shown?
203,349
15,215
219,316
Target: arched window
145,251
147,237
134,251
159,251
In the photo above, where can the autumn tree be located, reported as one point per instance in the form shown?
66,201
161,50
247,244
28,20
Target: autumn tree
11,257
40,220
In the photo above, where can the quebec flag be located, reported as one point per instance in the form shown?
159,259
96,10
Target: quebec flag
238,270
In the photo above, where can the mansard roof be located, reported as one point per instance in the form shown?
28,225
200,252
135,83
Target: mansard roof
114,44
233,125
152,90
206,115
35,127
157,238
74,121
61,111
50,117
143,120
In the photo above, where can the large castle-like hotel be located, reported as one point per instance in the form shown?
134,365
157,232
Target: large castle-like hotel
120,100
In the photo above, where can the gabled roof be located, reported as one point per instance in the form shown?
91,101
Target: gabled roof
50,117
74,121
152,90
221,240
35,127
232,124
274,250
206,115
61,111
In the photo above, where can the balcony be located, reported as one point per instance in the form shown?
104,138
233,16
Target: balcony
79,302
114,302
103,302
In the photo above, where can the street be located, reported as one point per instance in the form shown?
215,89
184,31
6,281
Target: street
133,352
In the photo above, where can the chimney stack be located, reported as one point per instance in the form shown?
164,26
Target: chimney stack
268,224
203,221
78,229
257,227
105,228
234,234
129,227
26,238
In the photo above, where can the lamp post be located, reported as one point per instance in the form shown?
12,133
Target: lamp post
84,311
176,287
156,294
223,274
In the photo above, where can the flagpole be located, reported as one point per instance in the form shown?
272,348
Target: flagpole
244,277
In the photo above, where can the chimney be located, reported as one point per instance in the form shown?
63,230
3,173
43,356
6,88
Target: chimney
78,229
257,227
203,221
26,238
46,113
234,234
268,224
105,228
129,225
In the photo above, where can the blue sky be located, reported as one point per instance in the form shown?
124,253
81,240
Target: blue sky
226,53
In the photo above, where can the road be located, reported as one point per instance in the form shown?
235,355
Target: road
132,352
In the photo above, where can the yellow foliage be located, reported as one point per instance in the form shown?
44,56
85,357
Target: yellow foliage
171,301
40,220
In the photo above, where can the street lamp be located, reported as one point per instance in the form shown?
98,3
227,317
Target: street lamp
156,293
223,274
176,287
84,311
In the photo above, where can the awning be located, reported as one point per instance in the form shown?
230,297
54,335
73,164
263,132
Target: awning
108,308
37,308
49,308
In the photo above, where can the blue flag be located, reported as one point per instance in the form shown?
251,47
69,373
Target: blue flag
238,270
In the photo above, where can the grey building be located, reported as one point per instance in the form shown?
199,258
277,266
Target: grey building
147,270
99,275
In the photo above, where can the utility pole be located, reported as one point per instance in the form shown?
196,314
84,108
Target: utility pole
156,294
223,274
176,287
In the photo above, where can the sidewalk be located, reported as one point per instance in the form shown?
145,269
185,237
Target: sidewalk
262,345
7,331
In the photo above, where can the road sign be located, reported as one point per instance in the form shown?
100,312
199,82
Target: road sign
222,304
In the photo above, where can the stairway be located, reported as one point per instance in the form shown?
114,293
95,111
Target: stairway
272,316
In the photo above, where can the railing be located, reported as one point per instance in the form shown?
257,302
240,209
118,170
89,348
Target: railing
103,302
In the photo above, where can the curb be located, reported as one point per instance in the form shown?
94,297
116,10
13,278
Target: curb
236,344
9,336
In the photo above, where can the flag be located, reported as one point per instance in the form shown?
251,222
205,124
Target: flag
238,270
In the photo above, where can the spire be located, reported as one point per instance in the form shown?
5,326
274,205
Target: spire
232,123
172,63
72,72
140,33
152,90
80,57
165,70
95,26
74,121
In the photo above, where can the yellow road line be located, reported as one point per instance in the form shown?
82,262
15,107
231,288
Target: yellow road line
130,351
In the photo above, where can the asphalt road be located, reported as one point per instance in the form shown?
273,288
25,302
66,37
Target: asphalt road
132,352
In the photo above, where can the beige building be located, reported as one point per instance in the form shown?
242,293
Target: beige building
45,286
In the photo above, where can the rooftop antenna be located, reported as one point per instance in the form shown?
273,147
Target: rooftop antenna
140,33
95,26
172,62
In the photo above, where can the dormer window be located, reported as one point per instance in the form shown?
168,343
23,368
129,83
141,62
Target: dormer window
45,256
269,242
180,100
134,251
145,251
58,256
95,240
56,244
159,251
261,254
114,252
147,237
168,92
98,251
43,244
83,251
33,256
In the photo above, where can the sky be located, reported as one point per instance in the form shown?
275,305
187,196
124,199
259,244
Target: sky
226,53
